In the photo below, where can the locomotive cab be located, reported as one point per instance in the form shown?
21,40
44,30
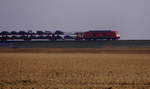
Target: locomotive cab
117,35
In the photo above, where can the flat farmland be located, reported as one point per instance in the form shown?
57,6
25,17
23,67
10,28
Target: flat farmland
74,70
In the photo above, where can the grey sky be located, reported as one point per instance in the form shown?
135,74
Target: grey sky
130,17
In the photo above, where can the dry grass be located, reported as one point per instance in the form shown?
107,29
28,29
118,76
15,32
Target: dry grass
74,71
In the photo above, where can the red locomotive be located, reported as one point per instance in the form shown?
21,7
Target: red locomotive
99,34
59,35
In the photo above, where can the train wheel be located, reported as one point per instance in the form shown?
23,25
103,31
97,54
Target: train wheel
88,39
113,38
27,39
94,39
108,39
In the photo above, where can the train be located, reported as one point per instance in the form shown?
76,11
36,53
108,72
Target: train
59,35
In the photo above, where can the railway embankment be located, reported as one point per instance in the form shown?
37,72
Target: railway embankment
75,44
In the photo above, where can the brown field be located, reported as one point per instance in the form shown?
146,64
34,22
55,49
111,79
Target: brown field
75,68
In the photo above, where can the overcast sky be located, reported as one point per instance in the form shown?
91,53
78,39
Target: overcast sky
130,17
